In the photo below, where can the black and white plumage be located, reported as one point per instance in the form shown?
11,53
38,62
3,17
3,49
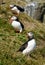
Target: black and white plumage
28,46
17,25
16,9
21,9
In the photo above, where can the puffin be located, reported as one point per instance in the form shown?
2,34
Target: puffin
16,24
16,9
19,8
29,45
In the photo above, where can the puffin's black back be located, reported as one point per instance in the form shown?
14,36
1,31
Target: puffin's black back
20,8
24,45
20,23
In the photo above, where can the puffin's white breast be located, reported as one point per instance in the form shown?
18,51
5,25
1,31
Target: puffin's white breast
31,46
15,24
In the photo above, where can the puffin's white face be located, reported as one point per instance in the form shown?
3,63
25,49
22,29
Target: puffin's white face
13,18
11,6
30,34
14,8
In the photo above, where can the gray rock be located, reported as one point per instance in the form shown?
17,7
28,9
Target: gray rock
35,10
30,8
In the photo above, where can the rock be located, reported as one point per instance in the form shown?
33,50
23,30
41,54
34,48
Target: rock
30,8
35,10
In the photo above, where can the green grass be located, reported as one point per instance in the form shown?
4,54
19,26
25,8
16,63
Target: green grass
10,41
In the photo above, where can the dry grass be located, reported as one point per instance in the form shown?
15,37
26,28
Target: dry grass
10,41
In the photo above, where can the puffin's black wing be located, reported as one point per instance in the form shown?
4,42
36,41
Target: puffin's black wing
23,47
22,25
20,8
